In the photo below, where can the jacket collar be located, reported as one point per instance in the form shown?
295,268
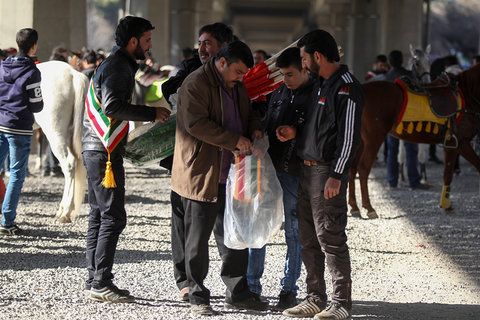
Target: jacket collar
118,50
334,77
209,69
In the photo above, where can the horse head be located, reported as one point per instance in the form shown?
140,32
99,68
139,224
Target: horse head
420,64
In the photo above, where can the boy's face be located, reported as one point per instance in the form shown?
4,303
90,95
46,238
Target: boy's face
294,78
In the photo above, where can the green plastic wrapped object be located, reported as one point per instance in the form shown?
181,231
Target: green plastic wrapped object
151,142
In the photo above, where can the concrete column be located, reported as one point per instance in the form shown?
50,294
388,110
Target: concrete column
182,27
65,25
14,15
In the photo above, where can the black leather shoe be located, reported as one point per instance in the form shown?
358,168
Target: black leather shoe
253,302
286,299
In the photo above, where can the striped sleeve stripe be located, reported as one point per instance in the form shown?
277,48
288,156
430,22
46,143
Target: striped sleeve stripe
33,85
347,78
348,137
33,100
16,131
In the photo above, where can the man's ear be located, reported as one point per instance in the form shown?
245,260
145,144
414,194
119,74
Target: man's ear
132,43
317,57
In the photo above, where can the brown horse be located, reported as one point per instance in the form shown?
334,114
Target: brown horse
382,107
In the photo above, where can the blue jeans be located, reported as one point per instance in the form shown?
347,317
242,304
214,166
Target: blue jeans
293,263
411,150
19,148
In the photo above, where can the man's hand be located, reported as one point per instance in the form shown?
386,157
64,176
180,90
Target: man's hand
285,133
162,114
332,188
244,145
257,134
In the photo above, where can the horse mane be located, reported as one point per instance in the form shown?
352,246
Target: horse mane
469,82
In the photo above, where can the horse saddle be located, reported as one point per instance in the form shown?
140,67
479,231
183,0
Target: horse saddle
442,94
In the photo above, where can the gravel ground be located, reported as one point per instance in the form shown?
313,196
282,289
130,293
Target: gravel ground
414,262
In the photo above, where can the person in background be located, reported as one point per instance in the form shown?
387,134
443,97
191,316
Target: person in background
259,56
89,63
287,107
20,98
380,66
108,104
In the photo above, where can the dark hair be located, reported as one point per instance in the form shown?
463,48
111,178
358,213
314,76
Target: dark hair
26,39
450,60
220,31
265,55
187,52
90,56
236,51
57,54
381,58
289,57
321,41
130,27
395,58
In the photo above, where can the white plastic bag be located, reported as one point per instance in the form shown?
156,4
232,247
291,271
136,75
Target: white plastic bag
253,205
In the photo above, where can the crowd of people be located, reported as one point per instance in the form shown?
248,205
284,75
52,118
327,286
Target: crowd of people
313,125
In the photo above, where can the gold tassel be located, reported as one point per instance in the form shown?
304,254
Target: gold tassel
428,128
410,128
399,128
109,181
419,126
435,129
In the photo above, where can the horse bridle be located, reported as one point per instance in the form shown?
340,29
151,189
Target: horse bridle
415,60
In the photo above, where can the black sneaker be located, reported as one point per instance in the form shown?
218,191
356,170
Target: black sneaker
88,288
203,310
286,299
307,308
335,311
253,302
110,294
10,231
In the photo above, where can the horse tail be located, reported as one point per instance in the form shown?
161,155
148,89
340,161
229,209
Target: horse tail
80,83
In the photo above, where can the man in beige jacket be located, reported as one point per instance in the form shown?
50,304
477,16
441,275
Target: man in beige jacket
214,118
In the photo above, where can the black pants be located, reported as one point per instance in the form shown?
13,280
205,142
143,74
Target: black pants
321,227
199,219
107,217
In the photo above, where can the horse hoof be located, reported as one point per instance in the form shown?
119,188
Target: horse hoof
372,215
356,214
449,210
64,220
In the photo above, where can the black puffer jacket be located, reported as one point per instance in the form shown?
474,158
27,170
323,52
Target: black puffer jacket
113,83
331,133
286,107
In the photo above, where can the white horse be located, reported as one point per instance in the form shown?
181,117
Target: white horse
64,90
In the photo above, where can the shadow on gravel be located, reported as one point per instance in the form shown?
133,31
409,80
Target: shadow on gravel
456,233
75,258
145,200
411,311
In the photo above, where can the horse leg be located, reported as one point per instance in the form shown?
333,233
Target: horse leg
364,167
450,158
39,140
401,158
352,201
466,150
68,164
422,160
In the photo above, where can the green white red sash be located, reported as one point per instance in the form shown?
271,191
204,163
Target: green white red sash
247,178
109,131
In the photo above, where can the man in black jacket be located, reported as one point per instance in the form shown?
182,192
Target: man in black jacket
327,144
287,106
105,128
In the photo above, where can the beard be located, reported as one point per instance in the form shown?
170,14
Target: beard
139,53
314,68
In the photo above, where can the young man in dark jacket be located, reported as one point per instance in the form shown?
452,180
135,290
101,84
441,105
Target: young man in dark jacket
287,106
327,144
105,128
20,97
